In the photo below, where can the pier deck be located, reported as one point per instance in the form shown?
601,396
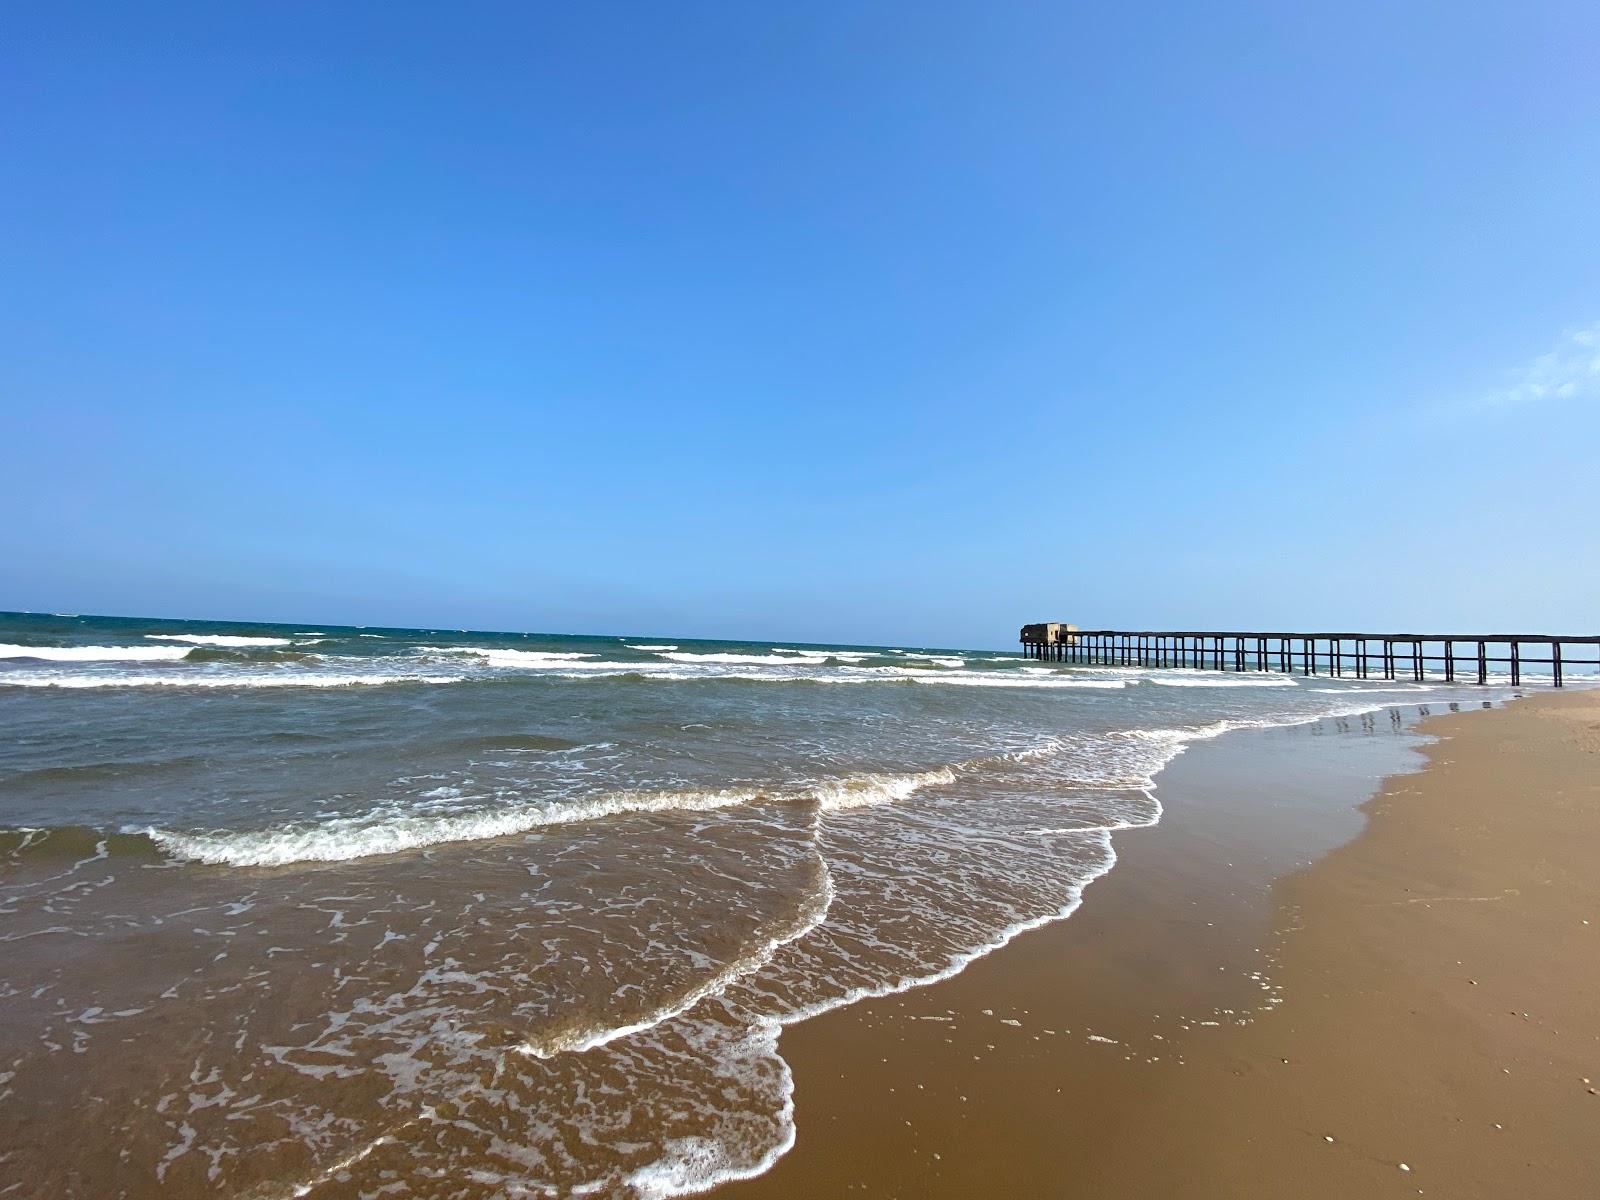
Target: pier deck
1451,657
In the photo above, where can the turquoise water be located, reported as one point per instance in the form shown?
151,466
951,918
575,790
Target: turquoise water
436,912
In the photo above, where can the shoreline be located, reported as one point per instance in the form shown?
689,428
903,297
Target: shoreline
1126,1050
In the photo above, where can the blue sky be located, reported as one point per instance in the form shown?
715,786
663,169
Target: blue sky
835,322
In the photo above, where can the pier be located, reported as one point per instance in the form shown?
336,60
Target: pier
1450,657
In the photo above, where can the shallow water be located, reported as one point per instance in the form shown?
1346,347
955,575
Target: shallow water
292,911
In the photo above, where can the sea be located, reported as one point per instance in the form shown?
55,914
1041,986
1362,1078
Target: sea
338,911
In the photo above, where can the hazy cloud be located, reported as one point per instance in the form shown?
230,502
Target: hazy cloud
1570,371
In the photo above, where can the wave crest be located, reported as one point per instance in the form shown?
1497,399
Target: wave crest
94,653
280,677
387,831
217,639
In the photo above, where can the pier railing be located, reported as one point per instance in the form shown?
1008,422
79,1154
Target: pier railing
1452,657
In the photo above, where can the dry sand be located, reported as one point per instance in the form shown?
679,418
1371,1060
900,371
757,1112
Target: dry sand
1417,1012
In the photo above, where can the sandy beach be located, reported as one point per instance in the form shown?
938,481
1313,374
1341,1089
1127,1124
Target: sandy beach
1273,994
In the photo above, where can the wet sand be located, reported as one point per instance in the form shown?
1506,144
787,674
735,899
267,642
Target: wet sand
1426,992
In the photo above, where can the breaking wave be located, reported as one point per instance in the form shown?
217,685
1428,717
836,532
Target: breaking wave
287,677
532,658
389,830
217,639
94,653
862,790
248,657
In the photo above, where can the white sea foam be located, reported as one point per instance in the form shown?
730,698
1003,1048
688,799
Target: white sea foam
217,639
959,961
814,672
558,663
1010,680
391,830
644,647
385,831
778,657
509,657
689,1166
1356,689
824,654
861,790
763,660
281,678
94,653
563,668
1263,680
1179,738
809,916
496,660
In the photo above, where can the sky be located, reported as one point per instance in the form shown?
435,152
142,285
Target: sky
836,322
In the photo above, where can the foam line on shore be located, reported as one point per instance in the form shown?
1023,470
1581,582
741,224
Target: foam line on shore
689,1170
805,920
